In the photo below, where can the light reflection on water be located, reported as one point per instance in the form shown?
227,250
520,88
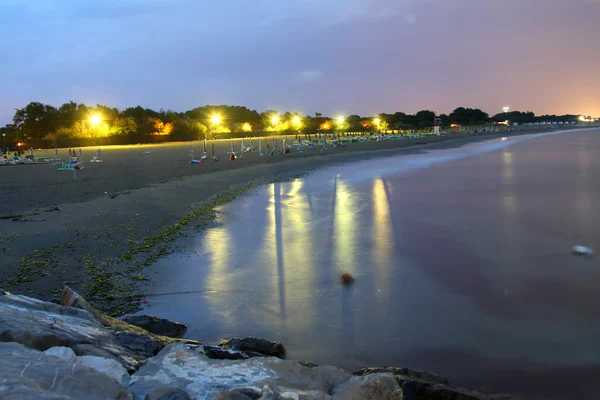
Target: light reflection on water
461,266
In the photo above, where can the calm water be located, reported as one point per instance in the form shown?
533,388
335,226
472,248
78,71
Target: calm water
461,259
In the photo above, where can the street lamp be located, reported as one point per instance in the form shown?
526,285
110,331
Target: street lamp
215,119
95,119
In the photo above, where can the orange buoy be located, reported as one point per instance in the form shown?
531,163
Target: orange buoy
347,278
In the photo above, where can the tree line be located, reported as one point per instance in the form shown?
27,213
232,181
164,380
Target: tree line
37,121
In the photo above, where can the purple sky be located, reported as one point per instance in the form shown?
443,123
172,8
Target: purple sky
329,56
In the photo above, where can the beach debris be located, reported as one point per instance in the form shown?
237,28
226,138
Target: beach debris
580,250
232,157
347,278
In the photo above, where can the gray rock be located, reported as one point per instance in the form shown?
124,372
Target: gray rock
374,386
158,326
424,385
180,366
220,353
31,374
40,325
255,345
409,373
232,396
137,340
168,394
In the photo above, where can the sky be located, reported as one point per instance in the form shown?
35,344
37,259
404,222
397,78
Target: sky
329,56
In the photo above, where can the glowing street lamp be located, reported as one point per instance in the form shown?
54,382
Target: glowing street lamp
215,119
95,119
340,120
275,120
377,121
296,120
506,109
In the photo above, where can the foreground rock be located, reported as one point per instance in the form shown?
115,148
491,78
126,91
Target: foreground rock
74,353
424,385
31,374
255,345
158,326
40,325
179,366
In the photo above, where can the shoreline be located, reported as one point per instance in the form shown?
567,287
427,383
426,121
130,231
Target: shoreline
102,246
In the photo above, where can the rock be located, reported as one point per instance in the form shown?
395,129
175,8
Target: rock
31,374
64,353
139,341
373,386
180,366
168,394
424,385
405,372
232,396
256,345
107,367
219,353
40,325
158,326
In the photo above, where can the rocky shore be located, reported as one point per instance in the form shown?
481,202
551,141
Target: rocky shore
73,351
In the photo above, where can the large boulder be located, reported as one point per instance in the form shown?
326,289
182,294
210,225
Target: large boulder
374,386
138,340
255,345
187,368
31,374
418,385
40,325
76,324
158,326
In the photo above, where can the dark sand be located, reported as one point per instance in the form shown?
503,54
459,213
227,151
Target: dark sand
76,232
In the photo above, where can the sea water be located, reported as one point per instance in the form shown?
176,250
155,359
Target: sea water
461,259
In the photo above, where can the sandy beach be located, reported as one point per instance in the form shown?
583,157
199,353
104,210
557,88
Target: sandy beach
98,232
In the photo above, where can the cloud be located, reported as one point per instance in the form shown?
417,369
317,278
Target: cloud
310,75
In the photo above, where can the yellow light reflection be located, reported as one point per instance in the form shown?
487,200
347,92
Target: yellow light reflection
383,237
218,244
345,229
508,171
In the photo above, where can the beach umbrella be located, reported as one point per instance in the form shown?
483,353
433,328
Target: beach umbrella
55,151
192,153
80,154
260,154
242,149
31,151
213,153
204,147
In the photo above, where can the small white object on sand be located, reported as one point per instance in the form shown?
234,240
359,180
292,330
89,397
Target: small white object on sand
582,251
